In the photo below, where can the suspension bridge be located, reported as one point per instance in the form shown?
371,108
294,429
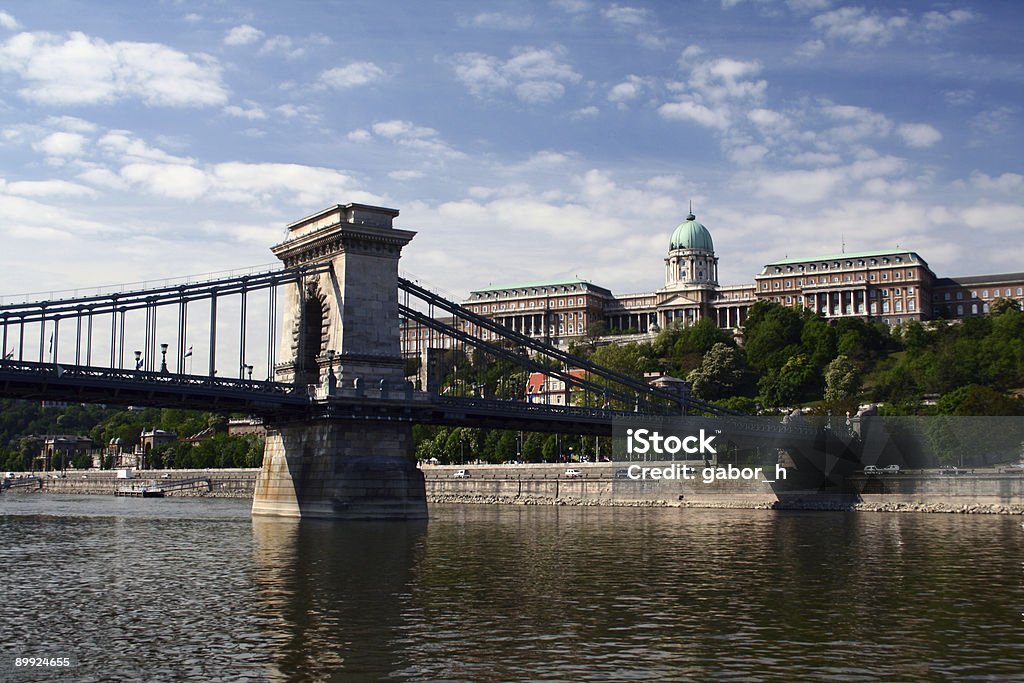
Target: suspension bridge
332,384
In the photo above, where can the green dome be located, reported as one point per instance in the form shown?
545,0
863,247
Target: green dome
691,235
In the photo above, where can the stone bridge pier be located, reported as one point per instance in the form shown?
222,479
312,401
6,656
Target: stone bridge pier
341,334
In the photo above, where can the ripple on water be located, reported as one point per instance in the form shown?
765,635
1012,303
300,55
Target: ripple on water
197,590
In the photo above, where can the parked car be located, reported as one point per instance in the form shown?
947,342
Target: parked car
949,470
870,469
573,473
622,473
461,474
890,469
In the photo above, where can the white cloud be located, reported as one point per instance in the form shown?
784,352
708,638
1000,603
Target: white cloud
407,134
498,21
810,49
767,120
855,25
689,54
801,187
282,45
1007,182
8,22
84,70
126,147
359,135
251,112
177,181
535,75
49,188
994,217
626,16
746,155
919,134
627,90
588,112
572,6
857,122
103,177
62,144
72,123
242,35
808,5
723,78
941,21
352,75
959,97
696,112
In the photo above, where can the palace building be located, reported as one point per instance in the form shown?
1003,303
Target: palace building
893,286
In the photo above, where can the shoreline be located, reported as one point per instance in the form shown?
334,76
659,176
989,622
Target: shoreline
804,505
596,485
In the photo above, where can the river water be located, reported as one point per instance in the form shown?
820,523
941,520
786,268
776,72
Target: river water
195,589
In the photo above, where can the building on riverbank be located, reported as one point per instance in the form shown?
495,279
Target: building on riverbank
893,286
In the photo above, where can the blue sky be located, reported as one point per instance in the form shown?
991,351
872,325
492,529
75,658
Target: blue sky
523,140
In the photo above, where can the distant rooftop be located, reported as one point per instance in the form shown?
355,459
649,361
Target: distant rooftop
537,285
847,256
1000,278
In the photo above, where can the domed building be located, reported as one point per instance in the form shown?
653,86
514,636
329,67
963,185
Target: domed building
691,275
890,285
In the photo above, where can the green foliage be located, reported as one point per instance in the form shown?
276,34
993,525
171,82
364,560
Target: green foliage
842,379
795,381
1002,304
773,335
978,400
719,374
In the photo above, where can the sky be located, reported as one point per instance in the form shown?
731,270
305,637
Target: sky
523,140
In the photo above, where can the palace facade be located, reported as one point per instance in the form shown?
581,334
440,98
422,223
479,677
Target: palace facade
893,286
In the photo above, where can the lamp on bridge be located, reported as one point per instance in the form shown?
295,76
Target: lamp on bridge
138,360
163,361
248,369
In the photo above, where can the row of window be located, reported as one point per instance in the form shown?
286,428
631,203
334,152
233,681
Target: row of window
560,303
861,263
897,275
897,305
984,294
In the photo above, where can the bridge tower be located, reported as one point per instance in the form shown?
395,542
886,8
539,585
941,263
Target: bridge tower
341,337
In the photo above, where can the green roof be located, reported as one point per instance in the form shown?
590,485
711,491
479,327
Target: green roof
691,235
535,285
847,256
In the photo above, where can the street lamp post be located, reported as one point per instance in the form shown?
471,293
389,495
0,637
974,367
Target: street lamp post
163,360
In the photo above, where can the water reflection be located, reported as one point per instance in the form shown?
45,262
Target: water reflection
332,595
196,590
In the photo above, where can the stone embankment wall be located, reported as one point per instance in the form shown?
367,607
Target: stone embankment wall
226,483
981,492
984,491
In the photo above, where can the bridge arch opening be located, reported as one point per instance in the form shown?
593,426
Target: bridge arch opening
312,335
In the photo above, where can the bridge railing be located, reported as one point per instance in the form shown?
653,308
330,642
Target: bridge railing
598,387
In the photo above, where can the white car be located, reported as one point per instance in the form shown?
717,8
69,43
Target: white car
870,469
573,473
461,474
890,469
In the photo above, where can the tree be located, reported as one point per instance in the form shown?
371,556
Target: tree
788,384
720,372
1002,304
842,379
772,335
977,400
